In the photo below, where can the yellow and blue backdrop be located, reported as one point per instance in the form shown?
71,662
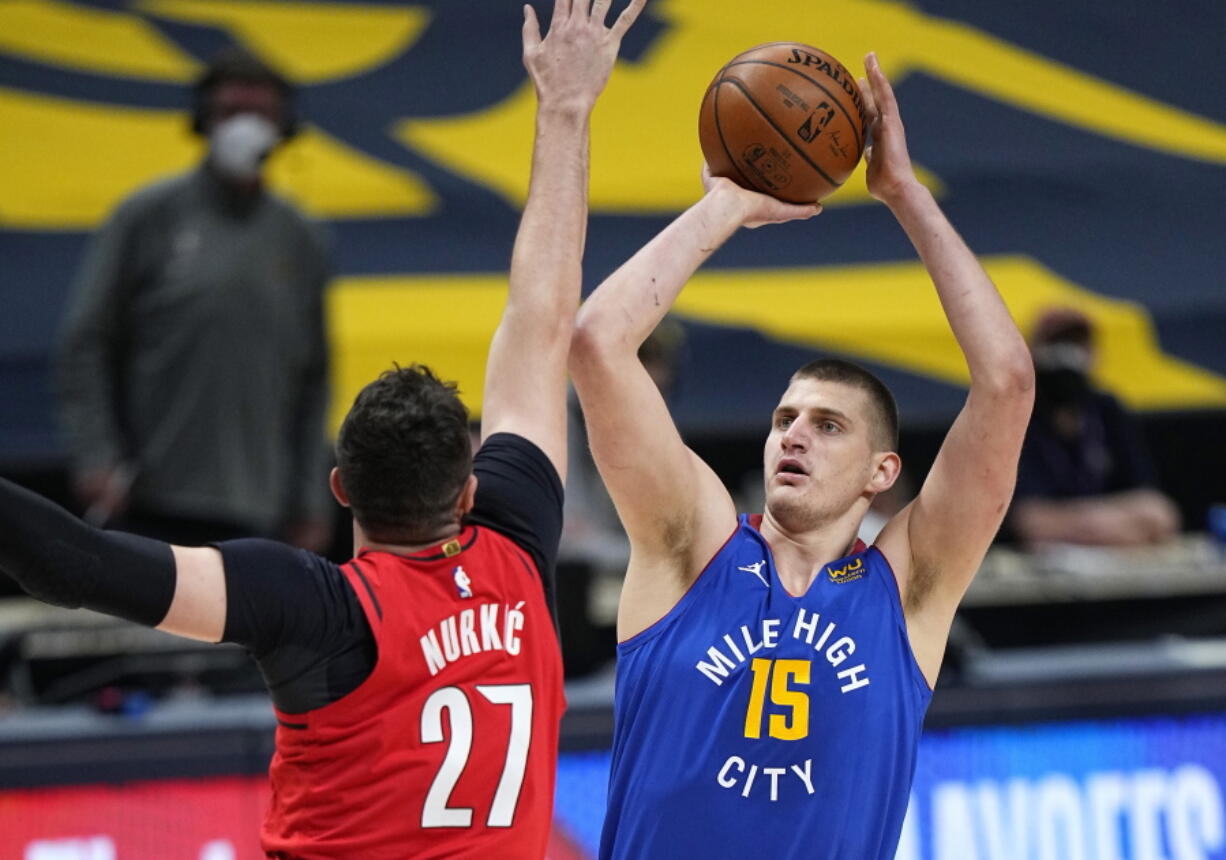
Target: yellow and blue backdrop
1080,147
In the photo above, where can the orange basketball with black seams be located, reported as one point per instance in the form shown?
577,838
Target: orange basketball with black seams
785,119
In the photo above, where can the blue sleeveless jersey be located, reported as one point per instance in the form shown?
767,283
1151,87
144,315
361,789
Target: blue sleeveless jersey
754,724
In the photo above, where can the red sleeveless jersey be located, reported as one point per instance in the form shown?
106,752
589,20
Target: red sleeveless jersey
449,748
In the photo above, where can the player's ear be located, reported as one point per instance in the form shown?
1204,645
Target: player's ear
338,489
887,469
468,497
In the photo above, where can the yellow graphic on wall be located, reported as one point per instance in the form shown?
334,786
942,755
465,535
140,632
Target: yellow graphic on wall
308,42
886,313
645,153
90,40
65,163
129,147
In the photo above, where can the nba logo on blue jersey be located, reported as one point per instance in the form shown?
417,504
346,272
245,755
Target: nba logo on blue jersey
462,583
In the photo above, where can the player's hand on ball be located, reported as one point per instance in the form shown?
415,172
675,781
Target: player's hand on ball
889,164
755,208
572,63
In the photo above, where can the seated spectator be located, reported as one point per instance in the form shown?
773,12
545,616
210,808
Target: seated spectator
1085,475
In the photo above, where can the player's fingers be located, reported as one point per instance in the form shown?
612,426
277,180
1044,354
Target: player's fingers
561,11
787,212
628,16
883,93
871,63
532,30
870,105
600,10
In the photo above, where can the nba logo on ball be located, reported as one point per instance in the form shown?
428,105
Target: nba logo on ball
785,119
462,583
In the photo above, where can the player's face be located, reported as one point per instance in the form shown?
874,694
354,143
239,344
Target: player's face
819,457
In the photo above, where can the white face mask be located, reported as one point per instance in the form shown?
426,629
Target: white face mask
1063,355
239,145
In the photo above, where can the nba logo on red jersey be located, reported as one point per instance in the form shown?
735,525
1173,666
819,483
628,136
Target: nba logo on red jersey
462,583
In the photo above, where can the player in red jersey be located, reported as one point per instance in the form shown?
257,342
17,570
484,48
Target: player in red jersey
418,688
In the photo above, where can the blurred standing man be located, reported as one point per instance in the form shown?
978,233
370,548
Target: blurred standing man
773,672
192,368
418,688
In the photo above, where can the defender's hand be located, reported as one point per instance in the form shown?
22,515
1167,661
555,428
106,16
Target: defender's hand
104,492
756,208
572,64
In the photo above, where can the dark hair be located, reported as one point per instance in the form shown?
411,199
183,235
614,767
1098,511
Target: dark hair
885,429
404,453
233,63
1062,325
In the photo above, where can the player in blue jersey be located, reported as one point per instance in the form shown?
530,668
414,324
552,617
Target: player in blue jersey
773,672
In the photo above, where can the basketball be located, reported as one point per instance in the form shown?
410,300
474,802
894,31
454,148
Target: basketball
785,119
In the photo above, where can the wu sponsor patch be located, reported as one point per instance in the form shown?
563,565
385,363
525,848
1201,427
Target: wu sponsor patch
849,572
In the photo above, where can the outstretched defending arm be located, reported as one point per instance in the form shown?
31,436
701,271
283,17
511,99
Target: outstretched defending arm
525,381
937,542
62,561
675,510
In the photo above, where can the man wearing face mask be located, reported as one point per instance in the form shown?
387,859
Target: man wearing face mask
192,365
1085,476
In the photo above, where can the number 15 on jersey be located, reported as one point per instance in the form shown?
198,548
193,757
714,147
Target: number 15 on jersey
779,676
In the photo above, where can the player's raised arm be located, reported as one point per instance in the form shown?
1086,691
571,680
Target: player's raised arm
525,382
938,541
675,510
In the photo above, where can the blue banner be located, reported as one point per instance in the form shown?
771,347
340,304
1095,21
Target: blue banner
1130,789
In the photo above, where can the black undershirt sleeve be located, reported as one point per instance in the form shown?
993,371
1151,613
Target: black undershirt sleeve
519,494
60,560
299,618
293,611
